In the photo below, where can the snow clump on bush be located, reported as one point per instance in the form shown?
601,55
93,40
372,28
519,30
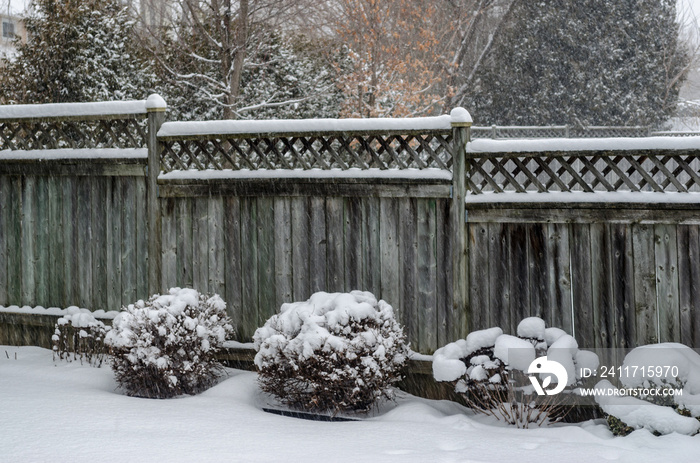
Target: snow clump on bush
166,346
661,391
334,352
79,335
490,370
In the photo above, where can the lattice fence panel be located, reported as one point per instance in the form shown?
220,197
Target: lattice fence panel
634,172
57,134
327,151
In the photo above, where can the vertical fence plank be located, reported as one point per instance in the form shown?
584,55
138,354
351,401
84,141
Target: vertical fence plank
499,275
622,285
447,331
479,277
232,259
560,304
334,244
426,266
70,240
28,246
200,244
128,204
216,245
601,280
352,243
99,251
14,241
84,243
389,245
249,263
410,316
666,251
4,237
267,305
300,244
689,283
284,271
645,300
519,275
114,242
185,243
141,240
169,243
318,245
41,232
581,285
371,277
540,270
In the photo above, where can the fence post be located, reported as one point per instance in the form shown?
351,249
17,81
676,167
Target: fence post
461,127
155,106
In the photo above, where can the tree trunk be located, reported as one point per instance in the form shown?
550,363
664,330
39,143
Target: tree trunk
239,52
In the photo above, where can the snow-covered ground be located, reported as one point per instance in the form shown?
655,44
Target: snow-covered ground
66,412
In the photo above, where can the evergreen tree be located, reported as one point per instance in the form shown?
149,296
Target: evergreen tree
588,62
293,71
77,50
283,76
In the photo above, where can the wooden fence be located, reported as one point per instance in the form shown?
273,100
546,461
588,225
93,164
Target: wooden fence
267,212
601,242
72,185
103,205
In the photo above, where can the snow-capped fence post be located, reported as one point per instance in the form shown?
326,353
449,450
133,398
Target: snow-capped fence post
461,125
155,106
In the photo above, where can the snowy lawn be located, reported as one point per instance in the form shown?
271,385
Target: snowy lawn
67,412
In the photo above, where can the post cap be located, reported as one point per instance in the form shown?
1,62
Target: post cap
155,102
460,117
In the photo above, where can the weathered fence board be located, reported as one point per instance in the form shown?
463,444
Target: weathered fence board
268,247
618,284
645,307
448,328
559,279
4,232
371,244
667,282
300,244
283,251
407,266
71,241
689,283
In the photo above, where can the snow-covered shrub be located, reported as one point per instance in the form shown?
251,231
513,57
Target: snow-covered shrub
489,369
334,352
79,336
167,346
661,391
